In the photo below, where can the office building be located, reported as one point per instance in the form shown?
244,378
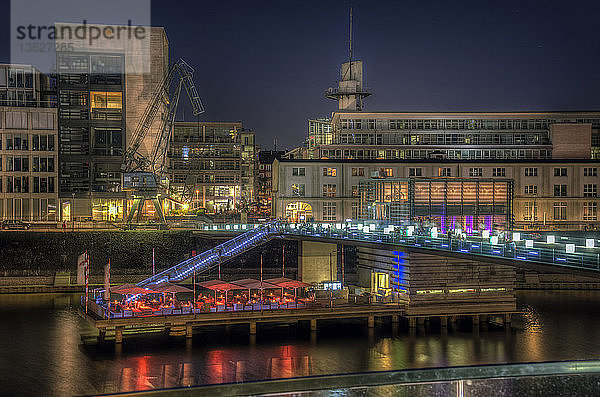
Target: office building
28,146
213,165
99,108
549,194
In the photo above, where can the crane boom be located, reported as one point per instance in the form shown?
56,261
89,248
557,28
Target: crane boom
140,170
133,160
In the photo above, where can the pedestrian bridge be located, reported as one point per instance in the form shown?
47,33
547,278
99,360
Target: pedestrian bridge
554,254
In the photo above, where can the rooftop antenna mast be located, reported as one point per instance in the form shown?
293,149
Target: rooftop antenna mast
350,45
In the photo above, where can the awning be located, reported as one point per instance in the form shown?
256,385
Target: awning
250,283
171,288
134,290
284,282
220,285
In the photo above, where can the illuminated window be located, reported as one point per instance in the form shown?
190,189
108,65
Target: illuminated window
329,171
444,172
106,100
329,190
298,190
531,211
387,172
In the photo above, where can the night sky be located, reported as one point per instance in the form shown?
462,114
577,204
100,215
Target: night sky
268,64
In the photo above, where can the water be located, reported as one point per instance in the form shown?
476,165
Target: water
42,352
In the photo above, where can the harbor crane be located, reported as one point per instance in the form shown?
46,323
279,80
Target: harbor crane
143,172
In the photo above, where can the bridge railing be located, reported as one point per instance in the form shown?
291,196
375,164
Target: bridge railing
566,251
560,254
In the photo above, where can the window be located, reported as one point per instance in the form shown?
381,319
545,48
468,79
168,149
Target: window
329,171
415,172
444,172
16,120
298,171
590,172
329,211
475,171
531,211
531,172
590,211
590,190
106,100
354,191
560,211
358,171
298,190
560,172
42,121
386,172
355,210
499,172
560,190
329,190
531,189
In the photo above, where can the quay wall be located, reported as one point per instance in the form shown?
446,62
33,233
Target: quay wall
42,254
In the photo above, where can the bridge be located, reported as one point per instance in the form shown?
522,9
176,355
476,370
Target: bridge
556,254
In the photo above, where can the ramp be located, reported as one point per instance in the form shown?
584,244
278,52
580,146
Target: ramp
221,253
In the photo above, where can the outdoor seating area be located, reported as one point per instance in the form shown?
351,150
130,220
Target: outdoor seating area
212,296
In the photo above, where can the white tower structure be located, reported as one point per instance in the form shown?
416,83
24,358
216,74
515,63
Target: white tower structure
350,92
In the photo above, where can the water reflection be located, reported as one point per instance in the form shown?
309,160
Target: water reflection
41,335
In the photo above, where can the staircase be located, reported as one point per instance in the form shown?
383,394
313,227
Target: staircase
221,253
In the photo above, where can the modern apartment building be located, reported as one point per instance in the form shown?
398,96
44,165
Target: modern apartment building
100,103
214,165
28,146
559,194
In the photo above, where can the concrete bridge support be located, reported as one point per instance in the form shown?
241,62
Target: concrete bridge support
371,321
188,330
119,335
317,262
313,324
252,327
444,321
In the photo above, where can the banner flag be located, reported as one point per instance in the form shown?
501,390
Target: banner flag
81,265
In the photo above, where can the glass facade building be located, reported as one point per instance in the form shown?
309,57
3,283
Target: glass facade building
465,203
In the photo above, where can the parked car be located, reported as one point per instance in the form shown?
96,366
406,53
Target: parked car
15,225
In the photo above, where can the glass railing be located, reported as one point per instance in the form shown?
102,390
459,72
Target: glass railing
575,378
